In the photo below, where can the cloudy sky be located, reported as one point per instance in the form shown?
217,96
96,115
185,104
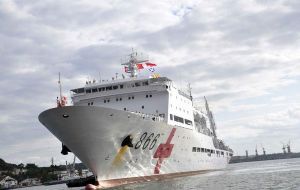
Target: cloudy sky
242,55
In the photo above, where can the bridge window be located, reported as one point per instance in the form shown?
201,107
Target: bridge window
178,119
202,150
108,88
88,90
171,117
121,86
194,149
198,149
78,90
94,90
145,83
188,122
115,87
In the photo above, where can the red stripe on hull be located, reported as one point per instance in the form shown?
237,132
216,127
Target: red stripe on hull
163,151
132,180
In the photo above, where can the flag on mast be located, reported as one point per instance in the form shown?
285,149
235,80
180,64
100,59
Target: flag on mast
150,64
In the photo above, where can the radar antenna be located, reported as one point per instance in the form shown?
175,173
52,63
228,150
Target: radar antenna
133,62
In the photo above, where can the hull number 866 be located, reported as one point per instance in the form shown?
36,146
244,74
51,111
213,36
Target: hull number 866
146,141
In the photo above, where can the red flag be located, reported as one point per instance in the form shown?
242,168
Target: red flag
64,101
150,64
140,66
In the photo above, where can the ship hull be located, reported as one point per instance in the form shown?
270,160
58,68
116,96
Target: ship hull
155,150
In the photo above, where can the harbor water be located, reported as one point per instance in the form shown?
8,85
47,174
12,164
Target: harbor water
273,174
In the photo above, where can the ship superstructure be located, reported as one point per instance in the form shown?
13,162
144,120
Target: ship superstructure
137,128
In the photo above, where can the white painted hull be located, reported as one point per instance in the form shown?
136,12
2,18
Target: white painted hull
94,134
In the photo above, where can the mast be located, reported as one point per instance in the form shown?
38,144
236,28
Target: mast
190,92
59,82
131,64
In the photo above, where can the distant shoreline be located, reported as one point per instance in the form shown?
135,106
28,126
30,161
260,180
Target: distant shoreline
254,158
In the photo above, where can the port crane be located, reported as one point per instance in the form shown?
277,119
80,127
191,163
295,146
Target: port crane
283,148
263,149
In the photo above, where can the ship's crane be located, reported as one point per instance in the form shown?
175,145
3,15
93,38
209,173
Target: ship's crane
71,167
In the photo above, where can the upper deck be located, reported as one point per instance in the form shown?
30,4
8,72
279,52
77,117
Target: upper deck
156,96
120,87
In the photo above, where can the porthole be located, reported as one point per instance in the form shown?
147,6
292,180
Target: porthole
65,116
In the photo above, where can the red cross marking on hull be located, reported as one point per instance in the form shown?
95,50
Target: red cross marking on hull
163,151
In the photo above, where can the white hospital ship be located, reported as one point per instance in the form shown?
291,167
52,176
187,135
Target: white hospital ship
137,128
